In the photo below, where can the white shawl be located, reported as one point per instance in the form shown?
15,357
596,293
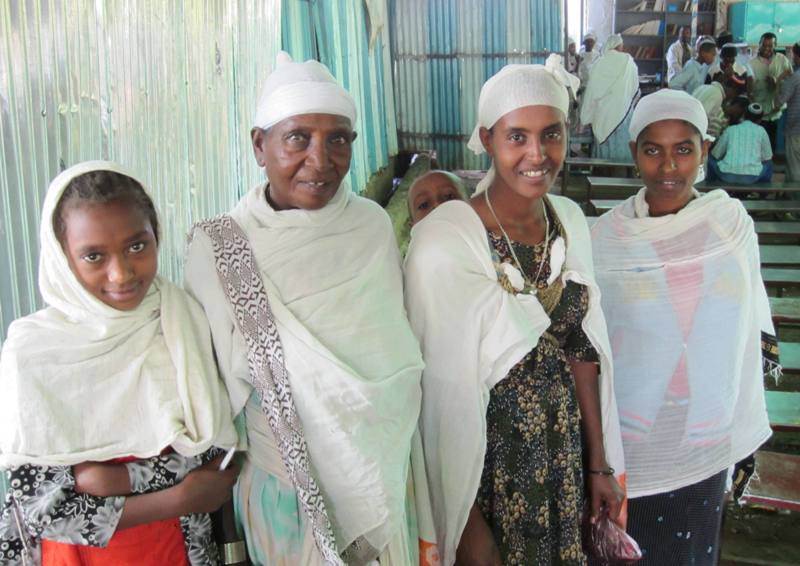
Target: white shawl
335,287
83,381
610,93
686,307
472,333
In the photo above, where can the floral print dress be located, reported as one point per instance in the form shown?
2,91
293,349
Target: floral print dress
41,503
531,489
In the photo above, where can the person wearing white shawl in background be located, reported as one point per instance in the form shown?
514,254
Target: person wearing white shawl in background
501,293
330,390
608,101
689,322
119,365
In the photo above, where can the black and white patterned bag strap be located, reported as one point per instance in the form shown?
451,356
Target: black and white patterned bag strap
241,280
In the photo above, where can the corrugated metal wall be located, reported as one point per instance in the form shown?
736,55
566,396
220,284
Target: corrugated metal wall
166,88
444,50
337,33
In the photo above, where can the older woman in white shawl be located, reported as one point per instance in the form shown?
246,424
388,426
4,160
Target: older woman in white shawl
501,293
608,101
302,285
690,326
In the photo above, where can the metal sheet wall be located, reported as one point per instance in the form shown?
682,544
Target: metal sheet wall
444,50
337,33
166,88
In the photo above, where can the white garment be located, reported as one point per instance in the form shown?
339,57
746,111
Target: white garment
711,97
587,60
472,333
83,381
335,288
611,92
301,88
686,308
675,58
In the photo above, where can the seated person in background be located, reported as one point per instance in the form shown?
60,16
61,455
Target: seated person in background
694,72
742,155
432,189
730,68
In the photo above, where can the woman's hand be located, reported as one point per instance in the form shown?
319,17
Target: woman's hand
605,494
206,489
101,479
477,546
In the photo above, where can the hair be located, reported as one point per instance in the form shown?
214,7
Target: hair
707,46
796,49
728,51
723,38
103,187
767,35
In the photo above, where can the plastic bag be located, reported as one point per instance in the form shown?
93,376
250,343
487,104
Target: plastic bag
608,542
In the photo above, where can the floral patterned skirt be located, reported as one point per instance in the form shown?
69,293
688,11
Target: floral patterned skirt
531,489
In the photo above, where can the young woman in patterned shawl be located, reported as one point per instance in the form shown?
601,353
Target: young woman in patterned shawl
302,285
112,405
692,336
518,409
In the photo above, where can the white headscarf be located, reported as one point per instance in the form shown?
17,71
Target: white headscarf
83,381
612,42
669,104
517,86
301,88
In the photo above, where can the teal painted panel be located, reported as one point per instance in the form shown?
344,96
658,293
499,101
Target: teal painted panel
787,18
750,20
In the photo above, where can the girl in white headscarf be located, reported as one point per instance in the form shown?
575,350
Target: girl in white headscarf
501,293
302,285
608,101
692,337
117,368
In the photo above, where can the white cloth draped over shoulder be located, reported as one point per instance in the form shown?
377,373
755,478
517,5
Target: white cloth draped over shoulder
82,381
335,287
686,308
610,93
472,333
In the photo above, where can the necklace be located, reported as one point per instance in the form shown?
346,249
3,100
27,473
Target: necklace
533,283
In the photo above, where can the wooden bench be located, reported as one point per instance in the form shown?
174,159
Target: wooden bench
783,408
779,255
789,353
780,278
775,483
785,310
589,163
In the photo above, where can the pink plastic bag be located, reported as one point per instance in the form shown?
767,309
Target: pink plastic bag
608,542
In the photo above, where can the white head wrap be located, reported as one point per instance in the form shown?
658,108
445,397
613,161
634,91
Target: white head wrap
301,88
668,104
84,381
517,86
590,35
570,41
612,42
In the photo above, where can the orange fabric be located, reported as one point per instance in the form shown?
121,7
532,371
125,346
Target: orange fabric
428,554
155,544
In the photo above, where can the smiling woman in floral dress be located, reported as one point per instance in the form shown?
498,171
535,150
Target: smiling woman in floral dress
506,400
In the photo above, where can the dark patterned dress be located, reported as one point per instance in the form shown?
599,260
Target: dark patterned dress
531,490
41,503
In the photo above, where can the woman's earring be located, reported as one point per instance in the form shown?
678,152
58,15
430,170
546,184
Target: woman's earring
635,171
